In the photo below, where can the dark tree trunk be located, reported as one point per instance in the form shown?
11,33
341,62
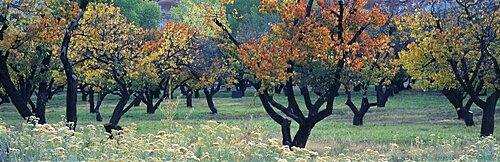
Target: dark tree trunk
456,99
302,135
43,91
137,104
120,110
242,87
210,101
188,92
84,94
365,105
150,109
91,100
189,100
306,124
358,117
285,123
466,114
51,95
147,98
54,91
41,102
278,88
285,132
197,93
16,97
71,81
100,99
382,96
209,94
71,78
488,121
357,87
156,93
243,90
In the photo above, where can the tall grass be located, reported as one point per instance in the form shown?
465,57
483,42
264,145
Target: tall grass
211,141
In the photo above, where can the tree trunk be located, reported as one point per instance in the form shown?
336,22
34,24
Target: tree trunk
488,121
71,101
278,88
210,101
243,90
137,104
456,99
466,115
156,93
71,78
358,119
41,102
302,135
91,100
20,102
148,100
100,99
285,132
359,114
382,96
118,112
197,93
84,94
188,92
242,87
43,90
357,87
189,99
150,109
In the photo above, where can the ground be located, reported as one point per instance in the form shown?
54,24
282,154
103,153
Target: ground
406,116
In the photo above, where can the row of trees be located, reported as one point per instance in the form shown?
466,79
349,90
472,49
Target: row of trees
318,47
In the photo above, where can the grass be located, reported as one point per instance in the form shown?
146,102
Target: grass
406,116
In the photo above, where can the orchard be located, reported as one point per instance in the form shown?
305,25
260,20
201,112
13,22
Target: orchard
249,80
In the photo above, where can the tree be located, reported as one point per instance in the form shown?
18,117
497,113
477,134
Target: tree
71,77
381,67
106,43
309,48
456,49
216,50
130,58
210,73
246,23
378,67
171,54
29,33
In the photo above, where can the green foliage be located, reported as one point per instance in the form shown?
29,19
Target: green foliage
143,13
246,20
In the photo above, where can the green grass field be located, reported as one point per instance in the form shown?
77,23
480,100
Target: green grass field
406,116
